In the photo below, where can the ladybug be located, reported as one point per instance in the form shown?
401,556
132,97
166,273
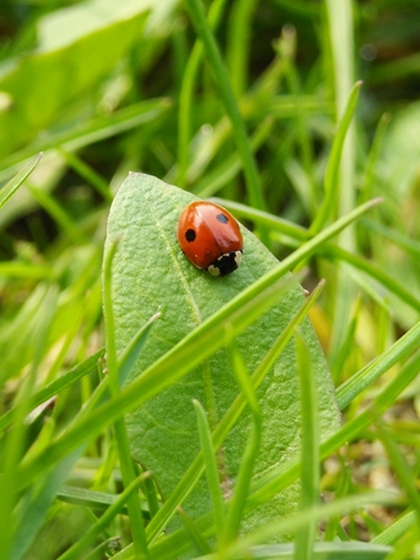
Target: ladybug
210,238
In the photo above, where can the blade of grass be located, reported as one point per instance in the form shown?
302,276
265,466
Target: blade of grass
89,132
58,214
129,357
240,40
195,535
400,466
300,519
331,182
405,345
126,463
268,220
211,467
378,274
88,498
80,546
14,444
55,387
87,173
301,234
12,186
336,367
203,30
366,189
334,530
405,547
186,95
409,245
15,269
237,503
32,510
397,529
309,474
340,34
340,191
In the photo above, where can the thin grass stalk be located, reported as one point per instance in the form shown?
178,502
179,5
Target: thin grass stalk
186,96
239,43
203,30
80,546
309,470
12,186
212,471
194,533
126,464
400,466
14,445
237,503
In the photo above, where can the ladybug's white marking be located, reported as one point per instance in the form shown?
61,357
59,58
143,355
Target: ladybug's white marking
238,257
214,270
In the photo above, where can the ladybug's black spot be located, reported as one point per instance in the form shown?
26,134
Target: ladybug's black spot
222,218
190,235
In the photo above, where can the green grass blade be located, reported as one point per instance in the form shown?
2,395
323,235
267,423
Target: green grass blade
12,186
301,518
133,350
74,552
374,271
195,535
55,387
221,77
401,467
58,214
212,470
239,44
186,96
406,547
406,345
340,30
86,133
32,509
397,529
126,463
331,183
88,174
237,504
309,493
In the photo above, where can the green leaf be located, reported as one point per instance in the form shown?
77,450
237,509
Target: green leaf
151,272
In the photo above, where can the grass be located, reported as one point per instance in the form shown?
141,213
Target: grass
302,119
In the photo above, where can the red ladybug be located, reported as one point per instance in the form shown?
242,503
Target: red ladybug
210,237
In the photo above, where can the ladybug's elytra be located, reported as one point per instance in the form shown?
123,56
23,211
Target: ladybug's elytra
210,238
